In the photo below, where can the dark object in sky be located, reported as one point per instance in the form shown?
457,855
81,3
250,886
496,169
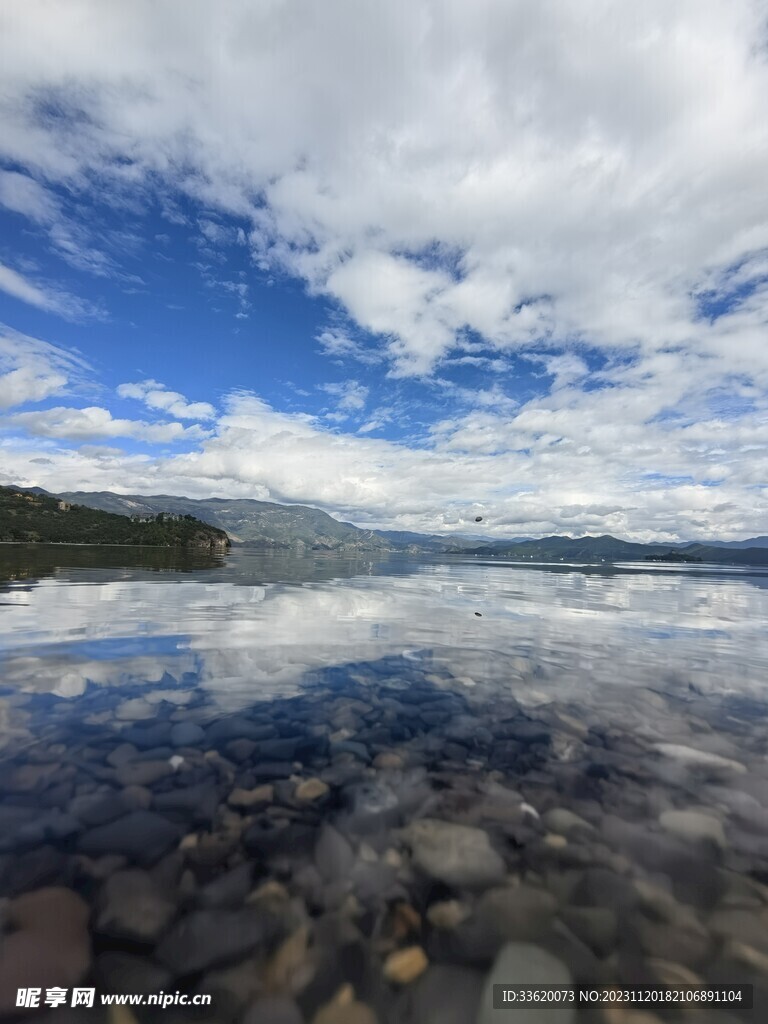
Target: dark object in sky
478,519
479,615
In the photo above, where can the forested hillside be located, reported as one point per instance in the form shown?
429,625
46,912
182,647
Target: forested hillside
30,517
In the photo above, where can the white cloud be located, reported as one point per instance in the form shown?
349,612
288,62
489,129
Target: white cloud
337,343
22,194
95,422
351,395
523,170
44,296
156,396
481,180
574,463
32,370
26,196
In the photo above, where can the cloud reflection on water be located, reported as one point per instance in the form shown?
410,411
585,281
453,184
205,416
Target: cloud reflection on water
543,633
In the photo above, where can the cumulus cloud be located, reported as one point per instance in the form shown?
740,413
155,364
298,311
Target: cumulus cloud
527,172
156,396
466,183
94,422
32,370
586,464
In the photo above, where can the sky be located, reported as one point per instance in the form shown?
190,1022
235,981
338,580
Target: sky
411,263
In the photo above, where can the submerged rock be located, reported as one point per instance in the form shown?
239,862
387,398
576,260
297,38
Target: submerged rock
31,959
405,965
701,759
50,949
274,1010
228,890
195,803
207,938
445,994
345,1009
142,836
334,856
454,854
236,728
54,908
142,773
133,906
187,734
245,799
512,913
124,973
563,821
311,790
696,826
148,736
595,926
520,963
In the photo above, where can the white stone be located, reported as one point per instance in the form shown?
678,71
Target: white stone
698,758
693,825
454,854
521,963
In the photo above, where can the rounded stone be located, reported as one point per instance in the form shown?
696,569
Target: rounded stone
52,908
695,826
388,759
133,906
187,734
246,798
562,821
274,1010
455,854
311,790
137,798
405,965
521,963
39,959
447,914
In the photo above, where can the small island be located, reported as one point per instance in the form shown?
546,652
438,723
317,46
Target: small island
672,556
28,517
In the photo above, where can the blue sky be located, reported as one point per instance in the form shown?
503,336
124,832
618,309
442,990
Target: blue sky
407,263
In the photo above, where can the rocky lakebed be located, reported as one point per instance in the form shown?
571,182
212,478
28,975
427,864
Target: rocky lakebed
380,849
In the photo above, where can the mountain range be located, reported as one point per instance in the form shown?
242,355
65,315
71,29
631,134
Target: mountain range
262,524
269,525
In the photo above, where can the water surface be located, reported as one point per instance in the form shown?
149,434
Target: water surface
333,776
253,624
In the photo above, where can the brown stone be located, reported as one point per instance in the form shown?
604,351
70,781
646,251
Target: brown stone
388,759
247,798
31,776
345,1012
447,914
405,965
53,909
35,959
137,798
311,790
289,968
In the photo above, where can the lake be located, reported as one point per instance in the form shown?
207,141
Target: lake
324,771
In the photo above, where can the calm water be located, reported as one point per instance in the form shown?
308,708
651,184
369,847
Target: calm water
316,780
254,625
